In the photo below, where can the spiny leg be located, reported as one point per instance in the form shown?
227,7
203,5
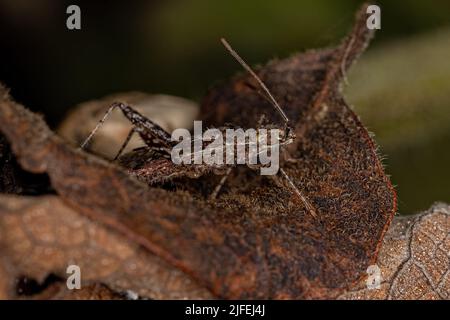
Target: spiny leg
125,143
220,185
305,201
99,124
152,134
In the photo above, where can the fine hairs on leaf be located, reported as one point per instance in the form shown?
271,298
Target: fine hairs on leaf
254,241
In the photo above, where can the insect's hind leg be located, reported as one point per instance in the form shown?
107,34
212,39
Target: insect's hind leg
217,189
99,124
150,132
125,143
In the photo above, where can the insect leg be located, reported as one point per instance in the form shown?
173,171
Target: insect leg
150,132
125,143
99,124
220,185
305,201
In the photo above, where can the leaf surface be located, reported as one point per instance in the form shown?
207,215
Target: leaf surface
255,241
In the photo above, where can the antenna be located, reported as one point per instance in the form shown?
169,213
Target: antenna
263,86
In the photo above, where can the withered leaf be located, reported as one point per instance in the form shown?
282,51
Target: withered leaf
14,179
333,161
42,235
91,292
254,242
414,259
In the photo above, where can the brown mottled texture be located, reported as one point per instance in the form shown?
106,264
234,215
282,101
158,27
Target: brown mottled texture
333,161
42,236
8,182
92,291
255,241
15,180
414,259
145,165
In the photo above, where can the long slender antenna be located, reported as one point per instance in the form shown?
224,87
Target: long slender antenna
263,86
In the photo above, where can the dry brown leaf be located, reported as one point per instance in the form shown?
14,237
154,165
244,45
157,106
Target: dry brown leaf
333,161
90,292
256,243
40,236
15,180
94,291
414,259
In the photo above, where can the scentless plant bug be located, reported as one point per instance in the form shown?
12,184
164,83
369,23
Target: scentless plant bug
153,161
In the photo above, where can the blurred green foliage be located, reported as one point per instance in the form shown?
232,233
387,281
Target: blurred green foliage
401,90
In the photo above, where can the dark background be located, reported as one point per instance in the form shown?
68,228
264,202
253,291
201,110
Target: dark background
172,47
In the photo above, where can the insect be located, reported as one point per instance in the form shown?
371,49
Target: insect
152,163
